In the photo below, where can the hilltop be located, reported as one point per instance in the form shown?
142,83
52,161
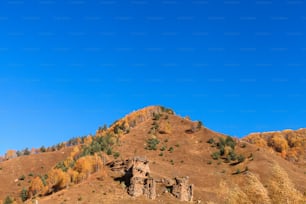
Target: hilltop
289,144
219,168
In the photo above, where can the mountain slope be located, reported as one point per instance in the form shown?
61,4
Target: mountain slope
222,169
289,144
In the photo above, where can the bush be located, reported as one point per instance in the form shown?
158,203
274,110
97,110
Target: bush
211,141
215,155
233,155
230,142
116,155
152,144
171,149
8,200
237,171
156,116
240,158
163,148
21,178
24,194
200,124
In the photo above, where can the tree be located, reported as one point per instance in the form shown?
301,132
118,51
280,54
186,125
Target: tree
26,151
200,124
42,149
57,180
36,187
10,154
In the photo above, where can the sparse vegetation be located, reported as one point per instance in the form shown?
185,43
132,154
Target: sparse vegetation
211,141
156,116
215,155
171,149
24,194
21,178
8,200
116,155
152,144
199,125
163,148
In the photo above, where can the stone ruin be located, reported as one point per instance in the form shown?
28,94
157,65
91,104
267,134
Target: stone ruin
182,189
141,183
136,176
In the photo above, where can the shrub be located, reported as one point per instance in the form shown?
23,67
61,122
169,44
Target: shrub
163,148
237,171
109,151
215,155
200,124
240,158
230,142
161,154
233,155
116,155
171,149
156,116
211,141
21,178
8,200
24,194
209,162
152,144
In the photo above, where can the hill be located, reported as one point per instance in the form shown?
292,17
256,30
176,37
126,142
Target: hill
288,144
167,150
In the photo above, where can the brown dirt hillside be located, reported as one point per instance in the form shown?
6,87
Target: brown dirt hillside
244,173
12,171
289,144
183,151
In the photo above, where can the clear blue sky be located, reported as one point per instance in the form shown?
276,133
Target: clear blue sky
67,67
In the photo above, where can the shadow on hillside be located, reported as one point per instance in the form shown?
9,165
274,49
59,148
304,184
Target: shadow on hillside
126,178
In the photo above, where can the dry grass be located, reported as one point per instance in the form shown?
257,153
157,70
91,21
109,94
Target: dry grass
254,189
281,189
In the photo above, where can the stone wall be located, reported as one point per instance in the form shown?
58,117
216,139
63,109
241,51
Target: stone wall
182,189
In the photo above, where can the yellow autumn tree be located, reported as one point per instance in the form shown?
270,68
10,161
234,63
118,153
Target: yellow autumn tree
278,142
87,165
57,180
36,187
74,175
10,154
